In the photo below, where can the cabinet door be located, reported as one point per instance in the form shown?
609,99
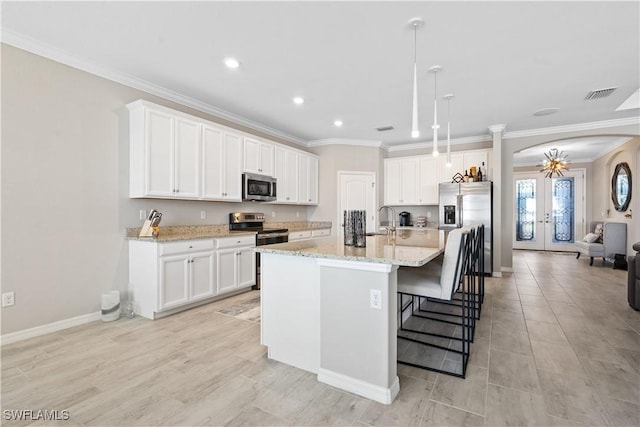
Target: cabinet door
409,182
232,167
428,183
392,181
457,166
266,159
187,152
251,161
212,163
159,154
308,182
227,267
202,279
246,267
174,281
286,173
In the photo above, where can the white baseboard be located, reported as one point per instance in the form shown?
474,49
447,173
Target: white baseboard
49,327
496,274
359,387
507,269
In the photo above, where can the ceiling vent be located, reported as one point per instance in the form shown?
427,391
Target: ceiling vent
384,128
600,93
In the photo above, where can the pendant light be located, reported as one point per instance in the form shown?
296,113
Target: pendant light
448,98
415,130
435,69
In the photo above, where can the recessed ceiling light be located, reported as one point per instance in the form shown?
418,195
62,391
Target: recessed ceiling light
338,123
298,100
546,111
232,63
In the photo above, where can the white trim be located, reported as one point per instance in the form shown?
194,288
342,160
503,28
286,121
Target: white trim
573,128
497,273
357,265
427,144
345,141
37,47
359,387
506,269
49,327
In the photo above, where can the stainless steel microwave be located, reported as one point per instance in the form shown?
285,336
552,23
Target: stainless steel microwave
260,188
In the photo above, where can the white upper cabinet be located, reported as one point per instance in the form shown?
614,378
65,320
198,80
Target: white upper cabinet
164,154
401,181
187,164
414,180
258,156
174,155
308,180
222,165
428,182
446,174
286,173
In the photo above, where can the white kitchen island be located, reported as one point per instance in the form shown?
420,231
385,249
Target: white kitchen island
332,309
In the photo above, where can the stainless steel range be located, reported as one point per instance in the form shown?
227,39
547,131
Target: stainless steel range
254,221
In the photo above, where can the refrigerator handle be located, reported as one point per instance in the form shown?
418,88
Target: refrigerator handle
460,199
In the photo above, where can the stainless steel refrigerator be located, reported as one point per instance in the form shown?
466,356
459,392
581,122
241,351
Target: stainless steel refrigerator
468,204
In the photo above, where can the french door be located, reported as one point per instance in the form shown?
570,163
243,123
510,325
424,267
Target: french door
548,212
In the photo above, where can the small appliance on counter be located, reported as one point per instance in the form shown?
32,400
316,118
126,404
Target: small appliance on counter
405,219
421,221
151,224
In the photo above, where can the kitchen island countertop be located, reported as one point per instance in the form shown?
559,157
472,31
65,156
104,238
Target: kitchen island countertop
412,248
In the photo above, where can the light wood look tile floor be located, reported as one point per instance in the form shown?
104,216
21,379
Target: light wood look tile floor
557,345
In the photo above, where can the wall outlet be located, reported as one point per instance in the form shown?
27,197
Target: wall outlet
273,214
428,214
8,299
203,214
297,214
375,299
142,214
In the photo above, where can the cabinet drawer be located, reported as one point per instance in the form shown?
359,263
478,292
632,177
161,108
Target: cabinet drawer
231,242
185,246
299,235
321,233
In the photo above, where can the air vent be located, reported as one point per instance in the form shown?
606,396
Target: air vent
600,93
384,128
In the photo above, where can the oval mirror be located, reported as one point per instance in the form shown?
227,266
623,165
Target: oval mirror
621,187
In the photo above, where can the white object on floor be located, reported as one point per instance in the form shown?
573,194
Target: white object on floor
110,306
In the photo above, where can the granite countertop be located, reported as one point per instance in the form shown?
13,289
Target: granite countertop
412,248
193,232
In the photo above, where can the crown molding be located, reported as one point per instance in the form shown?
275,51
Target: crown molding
345,141
428,144
573,128
37,47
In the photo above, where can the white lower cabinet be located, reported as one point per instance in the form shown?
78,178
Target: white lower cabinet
236,262
167,276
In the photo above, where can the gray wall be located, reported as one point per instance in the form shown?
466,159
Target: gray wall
65,202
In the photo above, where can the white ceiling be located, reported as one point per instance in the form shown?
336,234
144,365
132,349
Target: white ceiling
353,60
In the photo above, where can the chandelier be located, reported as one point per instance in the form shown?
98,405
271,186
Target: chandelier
555,162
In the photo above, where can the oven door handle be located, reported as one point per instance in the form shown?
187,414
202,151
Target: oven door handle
270,235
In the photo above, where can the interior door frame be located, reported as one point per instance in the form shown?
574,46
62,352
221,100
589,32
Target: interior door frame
339,213
542,226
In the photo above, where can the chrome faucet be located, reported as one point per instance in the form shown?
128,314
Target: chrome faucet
391,228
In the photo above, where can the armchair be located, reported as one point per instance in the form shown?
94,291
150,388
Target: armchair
614,241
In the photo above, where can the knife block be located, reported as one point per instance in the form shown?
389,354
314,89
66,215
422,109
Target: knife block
147,230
